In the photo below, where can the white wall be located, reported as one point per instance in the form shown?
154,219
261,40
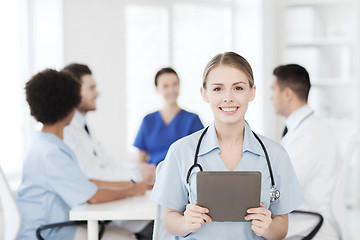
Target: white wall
94,35
273,124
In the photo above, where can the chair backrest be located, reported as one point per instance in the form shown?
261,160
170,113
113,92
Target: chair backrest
12,217
346,180
160,232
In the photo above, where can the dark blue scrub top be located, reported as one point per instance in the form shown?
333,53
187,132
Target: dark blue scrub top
155,137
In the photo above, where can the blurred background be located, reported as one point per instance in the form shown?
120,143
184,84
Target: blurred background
125,42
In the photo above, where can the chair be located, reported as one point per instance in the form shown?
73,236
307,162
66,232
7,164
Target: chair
160,232
316,228
347,178
65,224
12,217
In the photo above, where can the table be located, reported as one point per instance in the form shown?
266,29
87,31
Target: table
132,208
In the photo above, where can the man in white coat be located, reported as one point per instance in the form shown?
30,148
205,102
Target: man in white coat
93,160
313,151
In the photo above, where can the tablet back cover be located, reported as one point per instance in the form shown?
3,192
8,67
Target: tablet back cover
227,194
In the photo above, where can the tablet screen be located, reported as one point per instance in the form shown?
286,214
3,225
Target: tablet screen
227,194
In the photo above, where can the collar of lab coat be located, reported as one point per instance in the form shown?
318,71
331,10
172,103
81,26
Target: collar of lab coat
295,118
79,118
211,142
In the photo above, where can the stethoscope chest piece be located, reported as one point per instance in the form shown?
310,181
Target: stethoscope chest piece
274,194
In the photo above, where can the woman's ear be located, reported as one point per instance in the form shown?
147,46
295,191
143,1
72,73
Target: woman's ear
253,91
203,94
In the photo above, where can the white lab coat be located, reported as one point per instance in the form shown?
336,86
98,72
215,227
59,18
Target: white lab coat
93,160
96,163
315,156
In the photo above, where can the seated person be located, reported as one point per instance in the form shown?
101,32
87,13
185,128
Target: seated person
313,151
52,182
160,129
91,155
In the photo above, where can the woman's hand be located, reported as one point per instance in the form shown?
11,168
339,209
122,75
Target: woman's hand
260,219
147,172
195,217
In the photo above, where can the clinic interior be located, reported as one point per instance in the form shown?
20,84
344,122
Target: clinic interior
126,41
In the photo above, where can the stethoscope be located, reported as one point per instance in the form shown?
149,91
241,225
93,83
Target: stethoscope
274,193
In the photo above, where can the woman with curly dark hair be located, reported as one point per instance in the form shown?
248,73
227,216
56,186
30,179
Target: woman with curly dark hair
52,181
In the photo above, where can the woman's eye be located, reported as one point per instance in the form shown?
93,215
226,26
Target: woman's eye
217,89
238,88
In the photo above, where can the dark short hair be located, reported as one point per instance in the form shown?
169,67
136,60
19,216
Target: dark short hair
162,71
294,77
78,70
52,95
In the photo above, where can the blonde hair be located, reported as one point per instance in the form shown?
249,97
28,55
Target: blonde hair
230,59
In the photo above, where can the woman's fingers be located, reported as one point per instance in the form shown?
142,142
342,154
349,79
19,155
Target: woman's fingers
260,219
197,212
259,210
258,223
195,217
196,208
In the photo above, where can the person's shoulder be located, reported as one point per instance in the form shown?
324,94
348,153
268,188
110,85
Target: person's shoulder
46,141
316,130
151,116
187,142
43,146
189,115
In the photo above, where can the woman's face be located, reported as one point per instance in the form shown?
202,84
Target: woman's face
168,87
228,92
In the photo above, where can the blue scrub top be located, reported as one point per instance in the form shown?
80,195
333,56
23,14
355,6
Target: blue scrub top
155,137
52,184
170,187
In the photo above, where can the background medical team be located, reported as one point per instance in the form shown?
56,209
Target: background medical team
73,154
52,181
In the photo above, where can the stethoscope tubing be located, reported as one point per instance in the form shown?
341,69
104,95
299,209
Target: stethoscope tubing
196,164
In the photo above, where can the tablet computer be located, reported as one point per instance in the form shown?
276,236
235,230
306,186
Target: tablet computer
227,194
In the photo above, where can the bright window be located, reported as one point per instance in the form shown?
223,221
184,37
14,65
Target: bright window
11,92
176,33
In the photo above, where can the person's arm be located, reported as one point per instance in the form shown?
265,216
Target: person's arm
148,172
182,223
278,228
107,184
142,156
264,224
110,191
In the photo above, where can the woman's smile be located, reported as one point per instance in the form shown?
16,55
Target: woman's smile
229,110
